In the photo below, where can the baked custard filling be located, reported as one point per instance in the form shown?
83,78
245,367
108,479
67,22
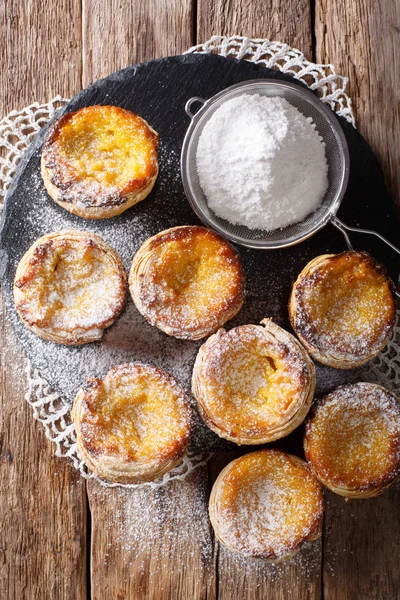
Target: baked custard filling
135,415
111,147
266,504
191,277
347,303
70,284
249,384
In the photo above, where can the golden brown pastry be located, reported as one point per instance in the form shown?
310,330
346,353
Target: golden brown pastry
133,426
69,287
352,440
253,384
187,281
99,161
342,308
266,504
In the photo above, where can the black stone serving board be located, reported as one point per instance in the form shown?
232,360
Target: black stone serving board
158,91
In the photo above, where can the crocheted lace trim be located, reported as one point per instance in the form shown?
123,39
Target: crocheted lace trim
19,128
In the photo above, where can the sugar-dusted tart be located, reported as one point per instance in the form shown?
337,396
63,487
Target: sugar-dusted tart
352,440
99,161
132,426
342,308
69,287
187,281
266,504
254,383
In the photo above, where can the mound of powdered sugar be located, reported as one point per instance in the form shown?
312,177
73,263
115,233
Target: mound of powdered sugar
261,163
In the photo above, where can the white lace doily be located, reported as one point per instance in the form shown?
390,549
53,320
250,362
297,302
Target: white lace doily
19,128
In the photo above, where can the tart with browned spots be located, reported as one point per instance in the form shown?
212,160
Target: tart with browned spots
99,161
134,425
69,287
187,281
266,504
343,309
352,440
253,384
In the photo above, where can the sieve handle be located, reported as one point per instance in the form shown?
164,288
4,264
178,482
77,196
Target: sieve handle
189,103
345,228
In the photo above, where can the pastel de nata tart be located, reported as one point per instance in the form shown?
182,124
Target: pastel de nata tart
343,309
266,504
134,425
99,161
254,383
187,281
69,287
352,440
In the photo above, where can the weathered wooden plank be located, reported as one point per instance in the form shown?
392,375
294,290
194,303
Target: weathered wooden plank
120,33
288,21
42,500
362,39
40,51
153,544
361,541
362,547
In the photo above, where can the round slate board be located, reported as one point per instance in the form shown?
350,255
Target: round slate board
158,91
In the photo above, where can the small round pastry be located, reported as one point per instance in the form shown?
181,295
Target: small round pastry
253,384
134,425
69,287
352,440
187,281
99,161
266,504
343,309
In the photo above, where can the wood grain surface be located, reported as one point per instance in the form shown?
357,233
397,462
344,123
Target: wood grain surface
158,544
362,39
42,499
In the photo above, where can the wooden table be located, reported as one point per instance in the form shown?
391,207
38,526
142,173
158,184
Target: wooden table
61,538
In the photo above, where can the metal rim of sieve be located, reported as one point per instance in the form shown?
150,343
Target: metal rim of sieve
337,155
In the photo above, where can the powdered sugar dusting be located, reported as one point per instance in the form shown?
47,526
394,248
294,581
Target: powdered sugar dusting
261,163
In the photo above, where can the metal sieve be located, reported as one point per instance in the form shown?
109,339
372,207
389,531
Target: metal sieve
337,156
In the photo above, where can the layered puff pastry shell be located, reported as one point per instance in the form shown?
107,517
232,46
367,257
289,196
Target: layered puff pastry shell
266,504
134,425
187,281
69,287
99,161
352,440
253,384
342,308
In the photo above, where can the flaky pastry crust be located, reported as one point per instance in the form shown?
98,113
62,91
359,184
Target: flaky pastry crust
99,161
342,308
352,440
134,425
187,281
69,287
266,504
253,384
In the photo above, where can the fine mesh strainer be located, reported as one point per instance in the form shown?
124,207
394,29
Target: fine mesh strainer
337,156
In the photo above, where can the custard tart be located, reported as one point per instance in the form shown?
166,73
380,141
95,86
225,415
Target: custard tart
343,309
134,425
69,287
99,161
187,281
253,384
266,504
352,440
